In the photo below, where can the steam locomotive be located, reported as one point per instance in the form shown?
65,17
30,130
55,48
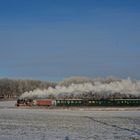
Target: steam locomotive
77,102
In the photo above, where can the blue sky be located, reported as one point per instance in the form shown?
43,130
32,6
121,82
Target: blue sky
54,39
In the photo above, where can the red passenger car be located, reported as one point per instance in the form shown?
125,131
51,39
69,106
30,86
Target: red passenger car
44,102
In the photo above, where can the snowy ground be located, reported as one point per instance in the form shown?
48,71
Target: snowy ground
43,124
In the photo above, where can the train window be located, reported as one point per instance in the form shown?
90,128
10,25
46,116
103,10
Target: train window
68,102
93,102
58,101
90,102
79,101
72,102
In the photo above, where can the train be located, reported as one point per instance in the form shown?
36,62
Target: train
77,102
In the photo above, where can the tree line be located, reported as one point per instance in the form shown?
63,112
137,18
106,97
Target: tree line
12,89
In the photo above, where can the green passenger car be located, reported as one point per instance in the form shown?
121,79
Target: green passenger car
100,103
69,102
126,102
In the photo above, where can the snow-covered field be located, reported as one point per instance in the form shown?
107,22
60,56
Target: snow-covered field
58,124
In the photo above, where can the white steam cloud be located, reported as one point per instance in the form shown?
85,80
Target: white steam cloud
123,87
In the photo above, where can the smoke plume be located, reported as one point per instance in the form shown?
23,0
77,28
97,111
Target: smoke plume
115,89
